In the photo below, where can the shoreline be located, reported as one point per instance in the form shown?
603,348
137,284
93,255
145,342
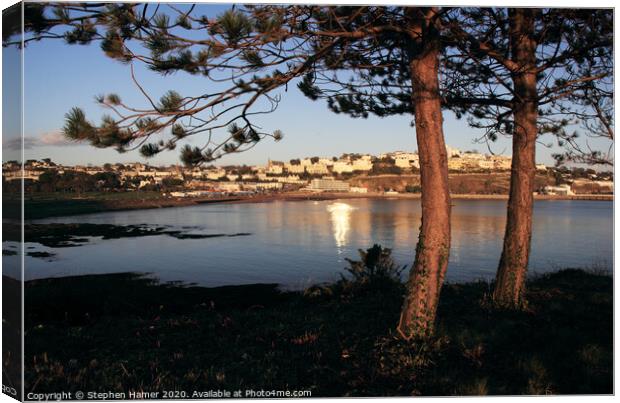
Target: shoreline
294,196
45,208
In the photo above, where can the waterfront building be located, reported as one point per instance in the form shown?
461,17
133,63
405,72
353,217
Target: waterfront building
328,185
194,193
592,186
564,190
609,185
25,174
261,186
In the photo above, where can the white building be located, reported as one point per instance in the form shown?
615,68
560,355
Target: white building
453,152
563,190
609,185
502,162
406,160
486,164
19,174
362,164
215,174
144,183
292,179
256,186
326,161
295,169
317,169
275,169
229,187
342,167
328,185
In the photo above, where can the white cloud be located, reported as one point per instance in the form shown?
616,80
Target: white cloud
54,138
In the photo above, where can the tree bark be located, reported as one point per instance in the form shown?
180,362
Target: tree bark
512,271
433,248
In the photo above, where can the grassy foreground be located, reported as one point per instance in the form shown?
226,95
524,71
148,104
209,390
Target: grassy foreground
125,332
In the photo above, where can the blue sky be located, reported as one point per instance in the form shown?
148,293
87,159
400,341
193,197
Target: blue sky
59,77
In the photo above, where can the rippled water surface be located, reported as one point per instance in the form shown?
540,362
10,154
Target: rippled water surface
300,243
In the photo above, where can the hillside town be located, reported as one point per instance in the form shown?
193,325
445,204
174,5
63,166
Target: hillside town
309,174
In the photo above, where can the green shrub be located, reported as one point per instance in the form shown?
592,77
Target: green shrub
376,264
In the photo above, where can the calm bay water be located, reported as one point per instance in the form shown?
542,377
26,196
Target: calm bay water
297,244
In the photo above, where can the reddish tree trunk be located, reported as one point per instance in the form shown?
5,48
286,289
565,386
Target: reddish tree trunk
512,271
431,260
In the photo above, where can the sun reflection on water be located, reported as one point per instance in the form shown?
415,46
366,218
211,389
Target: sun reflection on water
340,214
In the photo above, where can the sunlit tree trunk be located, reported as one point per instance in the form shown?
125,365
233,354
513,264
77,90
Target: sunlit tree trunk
431,260
512,271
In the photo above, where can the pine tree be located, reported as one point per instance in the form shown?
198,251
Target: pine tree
501,67
362,60
524,73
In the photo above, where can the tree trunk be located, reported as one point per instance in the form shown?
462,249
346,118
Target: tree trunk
431,260
512,271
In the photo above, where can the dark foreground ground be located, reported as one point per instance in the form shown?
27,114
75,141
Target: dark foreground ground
125,332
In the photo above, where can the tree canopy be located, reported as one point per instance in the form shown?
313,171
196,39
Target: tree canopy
354,57
574,69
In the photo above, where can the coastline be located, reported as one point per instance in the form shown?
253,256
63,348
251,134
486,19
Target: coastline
56,207
294,196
